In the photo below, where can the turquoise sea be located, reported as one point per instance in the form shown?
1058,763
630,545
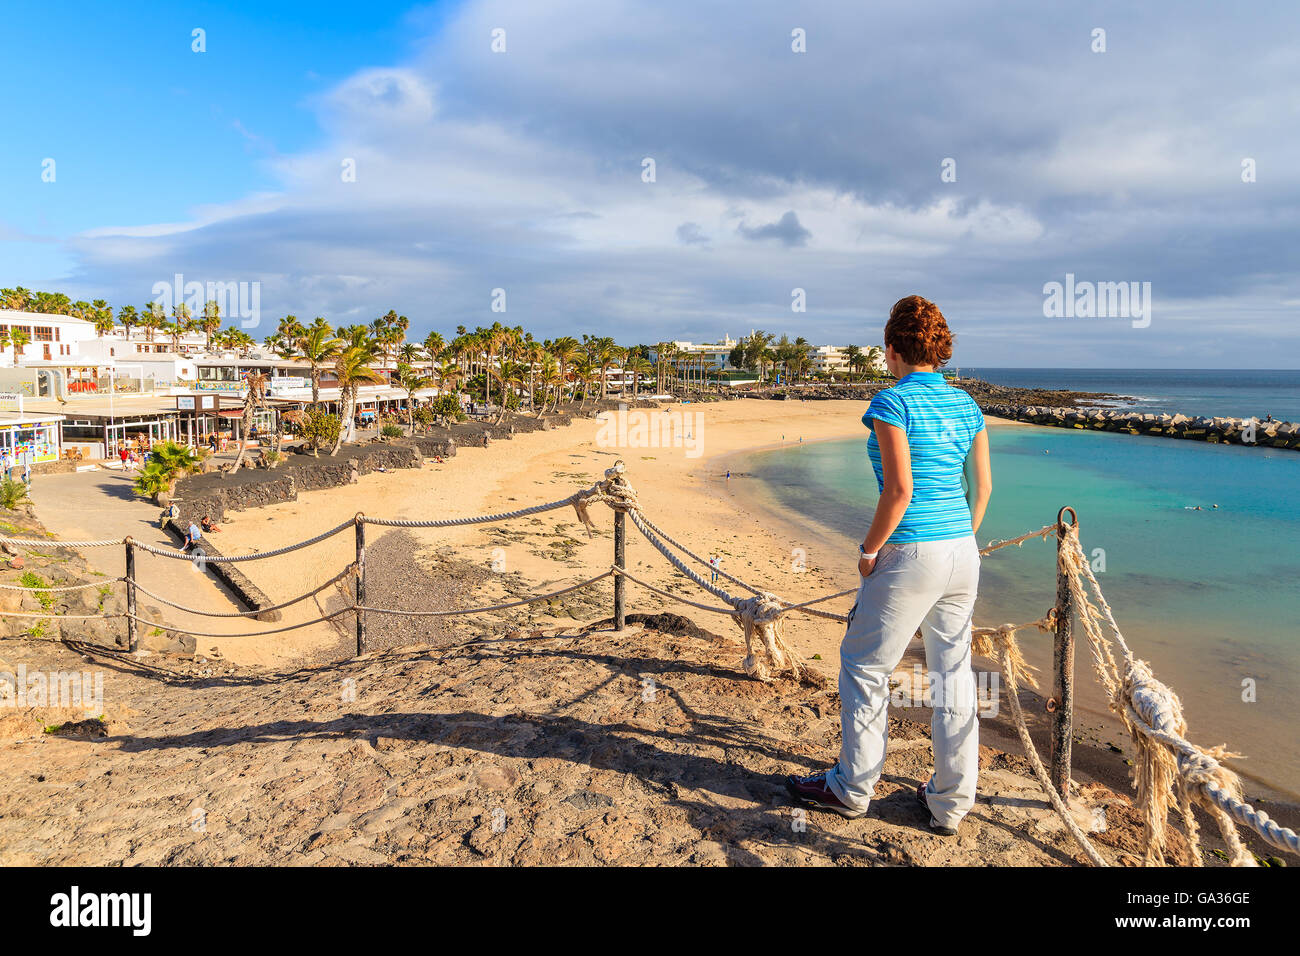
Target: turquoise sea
1211,598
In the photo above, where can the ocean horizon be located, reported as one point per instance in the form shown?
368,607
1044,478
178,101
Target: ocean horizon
1227,393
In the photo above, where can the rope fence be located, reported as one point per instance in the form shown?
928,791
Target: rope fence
1169,770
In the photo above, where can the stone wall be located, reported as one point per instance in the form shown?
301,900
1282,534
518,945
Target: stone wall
215,494
245,591
1216,430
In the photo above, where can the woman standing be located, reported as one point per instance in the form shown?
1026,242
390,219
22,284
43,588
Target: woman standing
920,569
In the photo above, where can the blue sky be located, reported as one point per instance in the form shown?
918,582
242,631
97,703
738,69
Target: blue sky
775,170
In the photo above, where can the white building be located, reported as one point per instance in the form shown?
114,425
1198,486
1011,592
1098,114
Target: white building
59,338
826,359
690,354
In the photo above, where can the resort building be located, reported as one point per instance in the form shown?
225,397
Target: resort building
691,354
828,359
49,336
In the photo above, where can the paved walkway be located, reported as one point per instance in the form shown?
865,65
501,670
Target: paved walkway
92,505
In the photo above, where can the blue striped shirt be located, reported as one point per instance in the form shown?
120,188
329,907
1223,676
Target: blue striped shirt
940,422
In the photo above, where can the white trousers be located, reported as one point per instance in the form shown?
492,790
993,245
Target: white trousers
929,585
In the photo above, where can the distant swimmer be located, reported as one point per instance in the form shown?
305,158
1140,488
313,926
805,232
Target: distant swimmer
1215,507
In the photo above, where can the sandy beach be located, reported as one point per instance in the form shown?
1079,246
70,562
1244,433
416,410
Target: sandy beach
689,497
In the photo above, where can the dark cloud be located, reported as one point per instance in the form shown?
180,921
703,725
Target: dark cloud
691,234
786,229
522,171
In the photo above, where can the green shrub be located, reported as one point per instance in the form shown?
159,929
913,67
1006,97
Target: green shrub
166,463
447,407
392,431
11,492
30,579
320,429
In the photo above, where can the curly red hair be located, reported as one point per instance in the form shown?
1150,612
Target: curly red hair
918,332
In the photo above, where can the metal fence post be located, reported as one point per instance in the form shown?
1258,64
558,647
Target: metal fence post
620,557
132,629
361,583
1061,703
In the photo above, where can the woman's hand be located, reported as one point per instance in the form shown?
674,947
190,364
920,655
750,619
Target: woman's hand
867,564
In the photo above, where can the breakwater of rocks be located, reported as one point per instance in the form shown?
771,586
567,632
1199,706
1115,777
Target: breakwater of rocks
1235,431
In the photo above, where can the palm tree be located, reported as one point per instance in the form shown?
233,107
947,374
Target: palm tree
183,320
853,358
434,346
18,339
127,317
533,353
551,379
583,371
409,379
19,299
168,462
290,416
254,398
873,358
636,365
174,331
511,376
210,324
564,349
103,320
318,346
153,319
352,367
448,376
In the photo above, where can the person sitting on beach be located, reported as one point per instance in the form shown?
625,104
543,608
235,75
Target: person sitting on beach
193,538
920,567
208,525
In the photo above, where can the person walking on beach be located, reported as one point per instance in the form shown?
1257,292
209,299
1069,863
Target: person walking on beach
714,564
920,569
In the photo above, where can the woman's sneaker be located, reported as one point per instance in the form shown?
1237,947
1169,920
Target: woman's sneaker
813,791
925,805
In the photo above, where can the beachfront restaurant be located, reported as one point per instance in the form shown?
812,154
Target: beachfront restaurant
27,439
98,427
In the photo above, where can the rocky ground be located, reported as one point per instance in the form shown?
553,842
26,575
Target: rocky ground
572,745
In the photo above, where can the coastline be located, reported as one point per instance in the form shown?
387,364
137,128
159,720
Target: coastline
487,693
756,537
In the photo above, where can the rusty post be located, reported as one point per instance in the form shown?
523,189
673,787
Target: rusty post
1061,704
